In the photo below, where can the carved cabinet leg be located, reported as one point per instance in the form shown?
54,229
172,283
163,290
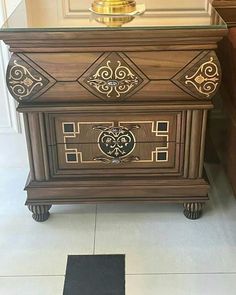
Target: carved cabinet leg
40,212
193,210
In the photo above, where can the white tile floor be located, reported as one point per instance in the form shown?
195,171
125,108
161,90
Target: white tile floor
165,253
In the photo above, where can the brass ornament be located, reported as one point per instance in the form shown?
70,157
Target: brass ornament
206,79
114,6
114,21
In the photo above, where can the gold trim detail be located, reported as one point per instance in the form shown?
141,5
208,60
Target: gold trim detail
206,78
73,134
154,127
118,80
22,82
160,134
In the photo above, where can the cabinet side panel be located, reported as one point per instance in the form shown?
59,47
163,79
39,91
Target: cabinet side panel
38,151
29,146
44,145
195,143
203,139
187,142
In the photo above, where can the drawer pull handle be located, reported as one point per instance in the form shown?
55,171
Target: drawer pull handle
117,160
115,129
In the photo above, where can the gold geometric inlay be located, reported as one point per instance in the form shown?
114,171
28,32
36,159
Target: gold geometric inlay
159,154
28,82
199,79
160,135
73,134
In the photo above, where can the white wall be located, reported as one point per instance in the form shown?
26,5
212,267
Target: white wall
9,119
11,5
12,141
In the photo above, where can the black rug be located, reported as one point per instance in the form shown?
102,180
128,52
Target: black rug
95,275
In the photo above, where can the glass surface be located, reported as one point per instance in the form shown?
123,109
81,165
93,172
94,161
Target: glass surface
72,15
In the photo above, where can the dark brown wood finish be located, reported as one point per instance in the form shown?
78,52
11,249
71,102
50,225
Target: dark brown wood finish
227,10
175,77
227,55
137,136
112,40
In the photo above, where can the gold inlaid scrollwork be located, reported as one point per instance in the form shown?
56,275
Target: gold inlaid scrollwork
206,78
117,142
117,81
21,81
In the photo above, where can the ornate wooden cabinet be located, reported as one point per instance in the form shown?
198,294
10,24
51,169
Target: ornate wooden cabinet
116,114
227,54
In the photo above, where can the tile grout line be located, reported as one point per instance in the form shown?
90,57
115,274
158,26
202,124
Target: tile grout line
30,276
141,274
181,273
95,230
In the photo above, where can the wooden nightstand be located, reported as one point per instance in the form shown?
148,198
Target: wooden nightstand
115,114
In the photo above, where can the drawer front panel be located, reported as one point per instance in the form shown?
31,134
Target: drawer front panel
116,142
74,129
159,158
113,76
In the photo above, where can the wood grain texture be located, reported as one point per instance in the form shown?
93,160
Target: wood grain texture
154,91
126,107
161,90
111,40
64,66
162,65
29,146
38,146
202,143
177,190
84,140
195,143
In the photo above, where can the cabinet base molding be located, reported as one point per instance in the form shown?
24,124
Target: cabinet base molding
193,193
127,193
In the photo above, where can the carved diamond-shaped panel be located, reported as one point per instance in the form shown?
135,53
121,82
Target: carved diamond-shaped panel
113,77
202,77
25,80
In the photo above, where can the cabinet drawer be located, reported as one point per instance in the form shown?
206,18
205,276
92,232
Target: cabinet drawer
113,76
117,143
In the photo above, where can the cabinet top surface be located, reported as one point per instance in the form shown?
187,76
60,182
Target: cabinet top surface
75,15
